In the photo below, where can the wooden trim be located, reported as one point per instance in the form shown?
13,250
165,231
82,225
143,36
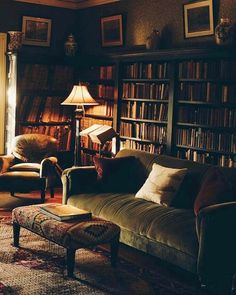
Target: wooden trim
70,4
3,48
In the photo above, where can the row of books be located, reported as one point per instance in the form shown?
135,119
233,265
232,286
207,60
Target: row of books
143,110
213,69
147,147
45,77
43,109
62,133
144,131
207,91
143,70
146,90
207,158
105,109
107,72
86,159
205,139
214,117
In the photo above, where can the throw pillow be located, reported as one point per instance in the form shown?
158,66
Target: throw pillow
215,189
162,184
118,174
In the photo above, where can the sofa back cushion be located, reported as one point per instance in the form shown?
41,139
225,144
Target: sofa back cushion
118,174
215,189
190,186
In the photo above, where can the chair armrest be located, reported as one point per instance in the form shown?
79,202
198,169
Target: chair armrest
6,162
76,180
216,230
50,170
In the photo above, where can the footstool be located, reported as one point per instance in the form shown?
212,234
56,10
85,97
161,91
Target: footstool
70,234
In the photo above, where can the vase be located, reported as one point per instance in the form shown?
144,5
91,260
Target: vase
224,32
70,46
153,40
15,41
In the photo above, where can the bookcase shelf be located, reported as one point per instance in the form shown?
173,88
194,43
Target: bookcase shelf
144,121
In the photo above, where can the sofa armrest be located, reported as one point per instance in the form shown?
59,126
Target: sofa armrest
6,162
76,180
216,230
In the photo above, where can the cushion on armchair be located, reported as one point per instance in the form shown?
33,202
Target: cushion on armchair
215,189
118,174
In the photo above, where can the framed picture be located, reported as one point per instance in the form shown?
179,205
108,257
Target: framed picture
198,19
112,31
37,31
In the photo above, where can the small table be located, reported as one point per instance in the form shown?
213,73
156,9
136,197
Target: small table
71,235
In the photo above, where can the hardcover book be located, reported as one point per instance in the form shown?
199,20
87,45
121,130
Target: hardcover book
65,212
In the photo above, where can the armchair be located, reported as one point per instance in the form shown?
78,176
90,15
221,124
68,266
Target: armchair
32,165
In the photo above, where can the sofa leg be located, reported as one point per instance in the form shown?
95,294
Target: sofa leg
52,192
16,234
70,261
43,193
12,194
114,251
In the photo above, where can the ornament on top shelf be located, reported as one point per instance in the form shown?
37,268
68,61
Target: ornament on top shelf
15,41
153,40
225,32
70,46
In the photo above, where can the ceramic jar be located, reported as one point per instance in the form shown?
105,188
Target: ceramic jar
15,41
224,32
153,40
70,46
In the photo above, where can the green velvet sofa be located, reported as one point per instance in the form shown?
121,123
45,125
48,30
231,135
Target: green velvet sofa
204,244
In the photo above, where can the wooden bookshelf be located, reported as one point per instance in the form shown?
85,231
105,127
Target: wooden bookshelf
43,83
100,79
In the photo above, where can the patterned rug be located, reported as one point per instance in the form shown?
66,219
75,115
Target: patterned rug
38,267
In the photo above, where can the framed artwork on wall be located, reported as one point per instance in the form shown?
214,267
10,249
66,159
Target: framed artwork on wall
198,19
112,30
37,31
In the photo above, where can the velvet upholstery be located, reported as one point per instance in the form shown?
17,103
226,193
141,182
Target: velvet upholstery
166,232
31,165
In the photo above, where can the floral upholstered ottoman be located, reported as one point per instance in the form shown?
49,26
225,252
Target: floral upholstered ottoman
70,234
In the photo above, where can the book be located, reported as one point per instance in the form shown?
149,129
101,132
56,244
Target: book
65,212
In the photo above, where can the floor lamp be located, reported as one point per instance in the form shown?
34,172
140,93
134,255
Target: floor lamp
79,97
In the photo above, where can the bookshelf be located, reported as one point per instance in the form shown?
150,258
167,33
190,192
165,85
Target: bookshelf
206,109
144,103
100,78
42,84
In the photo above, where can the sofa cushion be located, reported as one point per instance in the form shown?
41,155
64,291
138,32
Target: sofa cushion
170,227
215,189
162,184
118,174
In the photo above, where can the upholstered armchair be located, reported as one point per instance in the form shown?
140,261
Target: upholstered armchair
32,165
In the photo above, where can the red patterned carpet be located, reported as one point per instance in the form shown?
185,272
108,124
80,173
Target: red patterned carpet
37,267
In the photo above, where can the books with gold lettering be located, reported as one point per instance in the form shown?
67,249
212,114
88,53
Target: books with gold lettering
65,212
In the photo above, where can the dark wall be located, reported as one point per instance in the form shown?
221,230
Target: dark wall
140,17
63,23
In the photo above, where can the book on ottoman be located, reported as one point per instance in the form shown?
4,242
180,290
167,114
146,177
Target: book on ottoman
65,212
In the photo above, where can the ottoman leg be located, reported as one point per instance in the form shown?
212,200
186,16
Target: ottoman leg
70,260
16,234
114,251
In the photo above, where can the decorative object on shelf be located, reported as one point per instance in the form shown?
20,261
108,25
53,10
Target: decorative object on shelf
70,46
112,31
79,97
15,42
37,31
198,19
153,40
224,32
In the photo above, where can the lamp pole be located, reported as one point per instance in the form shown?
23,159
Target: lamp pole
79,112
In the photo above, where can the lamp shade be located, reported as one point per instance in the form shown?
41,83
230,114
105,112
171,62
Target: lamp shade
79,96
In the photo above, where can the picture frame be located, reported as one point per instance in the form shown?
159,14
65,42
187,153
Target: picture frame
36,31
198,19
112,30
